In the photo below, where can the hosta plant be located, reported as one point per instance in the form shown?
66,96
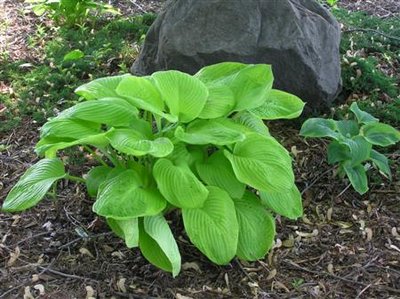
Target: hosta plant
196,145
352,145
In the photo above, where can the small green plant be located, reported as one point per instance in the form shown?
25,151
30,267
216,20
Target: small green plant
70,12
352,144
171,141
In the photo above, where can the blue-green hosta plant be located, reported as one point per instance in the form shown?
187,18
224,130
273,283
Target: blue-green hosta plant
171,141
352,145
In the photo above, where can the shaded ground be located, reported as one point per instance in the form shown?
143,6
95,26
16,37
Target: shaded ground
346,246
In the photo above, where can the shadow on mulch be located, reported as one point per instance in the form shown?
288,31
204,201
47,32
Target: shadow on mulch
346,246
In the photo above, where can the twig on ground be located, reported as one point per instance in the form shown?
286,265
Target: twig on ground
317,179
343,191
67,275
371,30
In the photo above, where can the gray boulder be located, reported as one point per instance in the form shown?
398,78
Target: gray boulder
299,38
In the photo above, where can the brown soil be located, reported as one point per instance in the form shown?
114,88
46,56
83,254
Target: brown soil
346,245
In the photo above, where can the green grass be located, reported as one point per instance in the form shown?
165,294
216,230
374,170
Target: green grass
43,88
365,56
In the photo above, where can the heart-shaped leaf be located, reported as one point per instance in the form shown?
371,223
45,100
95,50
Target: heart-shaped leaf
348,128
142,93
184,95
262,163
131,142
279,104
218,131
127,230
217,171
319,127
362,116
251,123
100,88
287,203
33,185
360,149
256,228
110,111
220,102
381,162
179,185
357,177
338,152
124,197
69,128
95,177
213,228
380,134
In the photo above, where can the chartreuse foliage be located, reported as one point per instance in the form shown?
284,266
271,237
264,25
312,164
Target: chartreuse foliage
352,144
174,141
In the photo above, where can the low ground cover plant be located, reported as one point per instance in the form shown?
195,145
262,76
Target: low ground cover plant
352,144
168,143
70,12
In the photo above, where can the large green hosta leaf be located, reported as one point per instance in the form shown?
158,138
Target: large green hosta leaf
219,131
124,197
142,93
100,88
319,127
33,185
69,128
184,95
357,177
220,102
262,163
220,72
158,245
127,230
380,134
217,171
249,83
251,123
110,111
213,228
362,116
286,203
256,228
131,142
50,146
279,104
179,185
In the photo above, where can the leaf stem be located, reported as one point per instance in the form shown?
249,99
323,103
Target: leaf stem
93,153
75,178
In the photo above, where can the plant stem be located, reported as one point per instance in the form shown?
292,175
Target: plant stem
75,178
93,153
